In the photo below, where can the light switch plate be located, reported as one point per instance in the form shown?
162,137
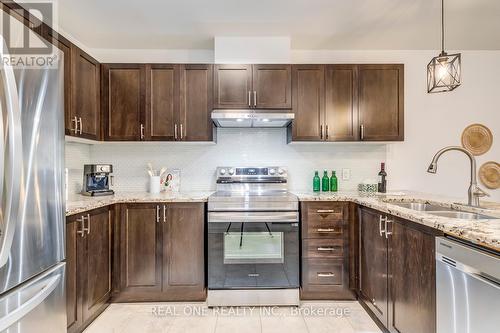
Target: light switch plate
346,174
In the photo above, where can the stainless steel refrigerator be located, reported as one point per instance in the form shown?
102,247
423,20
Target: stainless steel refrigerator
32,219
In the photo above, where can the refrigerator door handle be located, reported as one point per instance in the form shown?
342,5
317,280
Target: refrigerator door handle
28,306
13,158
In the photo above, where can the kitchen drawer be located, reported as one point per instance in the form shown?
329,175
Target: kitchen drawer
321,212
323,230
322,272
323,248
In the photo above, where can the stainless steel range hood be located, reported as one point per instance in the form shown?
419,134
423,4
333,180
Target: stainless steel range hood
251,118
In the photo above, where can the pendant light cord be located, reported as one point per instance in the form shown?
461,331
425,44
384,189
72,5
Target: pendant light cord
442,26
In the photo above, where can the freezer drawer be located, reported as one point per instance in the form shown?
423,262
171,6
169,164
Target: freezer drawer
37,305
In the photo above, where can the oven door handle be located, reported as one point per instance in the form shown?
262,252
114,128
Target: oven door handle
253,217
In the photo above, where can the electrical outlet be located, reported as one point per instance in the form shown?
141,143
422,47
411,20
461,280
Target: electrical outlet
346,174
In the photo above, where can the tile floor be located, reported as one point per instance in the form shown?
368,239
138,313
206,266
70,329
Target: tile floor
317,317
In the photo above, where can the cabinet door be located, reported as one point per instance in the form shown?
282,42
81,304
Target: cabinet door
341,105
74,246
183,264
373,264
85,93
412,280
69,113
123,101
272,87
233,85
97,258
162,101
140,250
308,90
195,123
381,104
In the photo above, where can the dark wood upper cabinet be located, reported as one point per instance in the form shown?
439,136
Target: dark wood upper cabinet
65,46
184,266
123,101
195,123
252,86
381,102
140,251
341,116
373,285
232,86
85,94
308,91
272,86
69,113
162,89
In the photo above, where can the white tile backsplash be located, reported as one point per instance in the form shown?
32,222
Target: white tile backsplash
77,155
246,147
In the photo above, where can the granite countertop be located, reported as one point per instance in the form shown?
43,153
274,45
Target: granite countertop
482,232
78,203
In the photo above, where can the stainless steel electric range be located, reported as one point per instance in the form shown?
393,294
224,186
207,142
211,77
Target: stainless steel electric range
253,238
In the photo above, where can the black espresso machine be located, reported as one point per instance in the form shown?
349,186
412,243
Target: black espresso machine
96,179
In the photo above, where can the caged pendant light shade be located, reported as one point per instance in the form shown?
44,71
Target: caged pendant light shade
444,71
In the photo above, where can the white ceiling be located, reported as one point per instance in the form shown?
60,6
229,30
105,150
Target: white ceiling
311,24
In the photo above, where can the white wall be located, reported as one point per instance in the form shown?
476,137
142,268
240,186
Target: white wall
432,121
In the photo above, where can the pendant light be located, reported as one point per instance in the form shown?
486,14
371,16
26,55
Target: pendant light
443,71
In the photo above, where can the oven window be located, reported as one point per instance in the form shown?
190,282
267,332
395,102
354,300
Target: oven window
253,248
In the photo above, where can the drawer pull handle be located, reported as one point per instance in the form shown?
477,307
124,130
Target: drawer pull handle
328,274
326,230
325,211
326,249
253,275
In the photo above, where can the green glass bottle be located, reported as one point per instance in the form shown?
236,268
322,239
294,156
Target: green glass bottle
333,182
325,182
316,182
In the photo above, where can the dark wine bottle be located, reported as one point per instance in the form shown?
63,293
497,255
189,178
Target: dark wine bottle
382,181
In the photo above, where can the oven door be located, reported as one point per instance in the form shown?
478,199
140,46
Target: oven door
253,250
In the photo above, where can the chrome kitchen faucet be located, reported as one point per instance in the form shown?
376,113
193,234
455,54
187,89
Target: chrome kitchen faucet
474,192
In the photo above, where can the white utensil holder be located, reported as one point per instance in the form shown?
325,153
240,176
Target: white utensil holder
154,184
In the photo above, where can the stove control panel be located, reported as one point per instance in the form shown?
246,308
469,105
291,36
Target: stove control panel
274,171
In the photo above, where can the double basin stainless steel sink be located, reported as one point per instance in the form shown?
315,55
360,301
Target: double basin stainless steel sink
441,211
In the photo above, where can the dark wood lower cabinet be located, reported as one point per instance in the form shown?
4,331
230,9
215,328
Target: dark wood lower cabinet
397,272
161,252
412,287
326,251
73,296
139,248
183,252
373,288
88,266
